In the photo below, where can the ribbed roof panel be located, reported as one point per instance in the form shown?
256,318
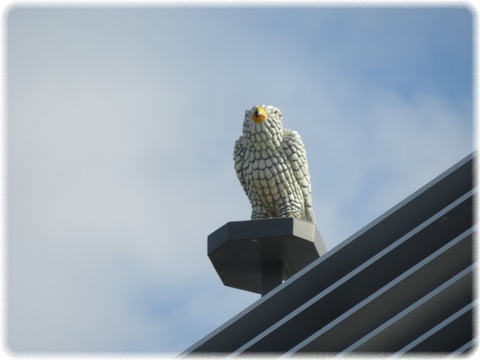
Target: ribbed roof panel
403,283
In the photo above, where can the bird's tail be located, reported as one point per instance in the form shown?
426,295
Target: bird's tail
309,216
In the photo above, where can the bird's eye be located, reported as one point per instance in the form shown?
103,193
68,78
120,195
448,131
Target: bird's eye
278,113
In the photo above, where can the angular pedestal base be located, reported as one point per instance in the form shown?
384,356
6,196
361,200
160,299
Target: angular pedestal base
258,255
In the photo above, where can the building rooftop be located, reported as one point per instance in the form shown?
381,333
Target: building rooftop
401,284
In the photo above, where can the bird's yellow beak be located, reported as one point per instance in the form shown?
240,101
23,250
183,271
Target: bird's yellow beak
259,115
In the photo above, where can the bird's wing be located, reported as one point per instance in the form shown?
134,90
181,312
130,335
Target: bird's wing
239,156
295,150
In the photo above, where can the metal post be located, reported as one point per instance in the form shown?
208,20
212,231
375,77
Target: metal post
258,255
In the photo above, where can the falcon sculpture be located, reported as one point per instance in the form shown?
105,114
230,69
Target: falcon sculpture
271,164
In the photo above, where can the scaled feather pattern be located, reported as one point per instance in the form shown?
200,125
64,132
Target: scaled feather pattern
271,164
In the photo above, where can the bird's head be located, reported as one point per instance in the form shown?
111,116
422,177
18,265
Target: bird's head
262,126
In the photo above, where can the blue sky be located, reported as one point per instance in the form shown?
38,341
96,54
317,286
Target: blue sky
120,130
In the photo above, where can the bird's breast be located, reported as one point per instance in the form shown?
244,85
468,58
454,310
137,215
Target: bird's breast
268,175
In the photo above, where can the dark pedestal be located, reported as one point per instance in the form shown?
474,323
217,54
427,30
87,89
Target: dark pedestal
258,255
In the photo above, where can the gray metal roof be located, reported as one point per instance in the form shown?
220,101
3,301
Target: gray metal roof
403,283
